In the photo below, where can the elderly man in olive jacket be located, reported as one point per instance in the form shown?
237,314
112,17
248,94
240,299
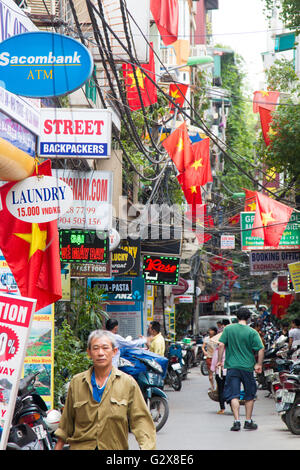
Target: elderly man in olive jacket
101,402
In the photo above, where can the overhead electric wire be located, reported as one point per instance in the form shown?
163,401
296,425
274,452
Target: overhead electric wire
206,129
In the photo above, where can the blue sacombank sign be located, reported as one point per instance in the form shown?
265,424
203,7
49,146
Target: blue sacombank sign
43,64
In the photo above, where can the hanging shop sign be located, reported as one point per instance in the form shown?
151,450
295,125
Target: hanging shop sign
227,242
133,247
17,135
91,270
39,199
161,269
92,199
44,64
127,290
290,239
40,353
161,240
268,261
83,246
121,262
281,284
67,132
16,314
294,270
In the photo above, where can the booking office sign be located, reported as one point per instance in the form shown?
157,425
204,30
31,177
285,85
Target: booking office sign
43,64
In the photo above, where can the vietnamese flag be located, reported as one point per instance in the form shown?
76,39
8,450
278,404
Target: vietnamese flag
31,251
177,92
147,89
179,147
266,99
271,219
250,200
280,303
265,120
235,219
166,14
198,173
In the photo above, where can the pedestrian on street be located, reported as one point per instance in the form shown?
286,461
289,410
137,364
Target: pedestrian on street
294,334
102,403
208,348
220,373
112,325
241,342
157,342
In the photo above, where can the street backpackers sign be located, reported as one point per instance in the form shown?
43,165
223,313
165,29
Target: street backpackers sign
161,270
43,64
290,239
16,314
69,133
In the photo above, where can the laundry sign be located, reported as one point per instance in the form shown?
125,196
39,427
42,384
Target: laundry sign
39,199
44,64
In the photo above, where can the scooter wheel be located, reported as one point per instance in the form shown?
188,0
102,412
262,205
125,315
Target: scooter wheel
159,409
293,417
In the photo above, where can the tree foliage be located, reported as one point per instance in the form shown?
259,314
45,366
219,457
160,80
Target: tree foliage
289,12
240,129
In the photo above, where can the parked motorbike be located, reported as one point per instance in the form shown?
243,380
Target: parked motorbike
149,370
173,376
30,410
287,400
22,437
175,349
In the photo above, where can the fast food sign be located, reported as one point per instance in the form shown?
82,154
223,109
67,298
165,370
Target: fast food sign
16,314
70,133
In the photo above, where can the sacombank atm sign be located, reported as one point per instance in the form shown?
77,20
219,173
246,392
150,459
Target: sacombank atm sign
43,64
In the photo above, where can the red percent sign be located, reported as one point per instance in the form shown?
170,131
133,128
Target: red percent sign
9,343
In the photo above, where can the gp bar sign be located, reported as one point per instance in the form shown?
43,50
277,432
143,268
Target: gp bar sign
67,132
43,64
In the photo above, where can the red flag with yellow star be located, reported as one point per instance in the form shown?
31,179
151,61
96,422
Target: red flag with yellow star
270,220
177,92
198,173
179,147
250,200
280,303
267,99
147,89
265,120
166,16
31,251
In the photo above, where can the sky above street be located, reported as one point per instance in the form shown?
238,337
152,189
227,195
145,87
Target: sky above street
242,25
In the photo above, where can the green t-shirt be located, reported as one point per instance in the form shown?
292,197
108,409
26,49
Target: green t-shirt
240,343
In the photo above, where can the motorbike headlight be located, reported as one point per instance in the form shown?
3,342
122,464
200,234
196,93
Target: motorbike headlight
156,366
125,363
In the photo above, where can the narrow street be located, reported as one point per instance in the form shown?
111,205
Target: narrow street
193,423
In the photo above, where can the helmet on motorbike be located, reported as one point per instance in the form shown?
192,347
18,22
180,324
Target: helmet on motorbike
52,419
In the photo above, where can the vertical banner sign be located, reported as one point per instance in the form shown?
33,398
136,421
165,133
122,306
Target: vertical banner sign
40,353
16,315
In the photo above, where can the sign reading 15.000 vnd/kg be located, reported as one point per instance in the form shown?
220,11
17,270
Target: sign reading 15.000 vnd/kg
43,64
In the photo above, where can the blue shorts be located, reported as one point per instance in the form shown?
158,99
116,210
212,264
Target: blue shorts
234,379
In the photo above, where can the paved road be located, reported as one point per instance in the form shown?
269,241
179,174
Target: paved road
194,425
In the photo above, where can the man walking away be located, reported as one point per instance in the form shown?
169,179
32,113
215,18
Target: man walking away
241,342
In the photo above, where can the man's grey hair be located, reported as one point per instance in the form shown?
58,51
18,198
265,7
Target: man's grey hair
100,334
